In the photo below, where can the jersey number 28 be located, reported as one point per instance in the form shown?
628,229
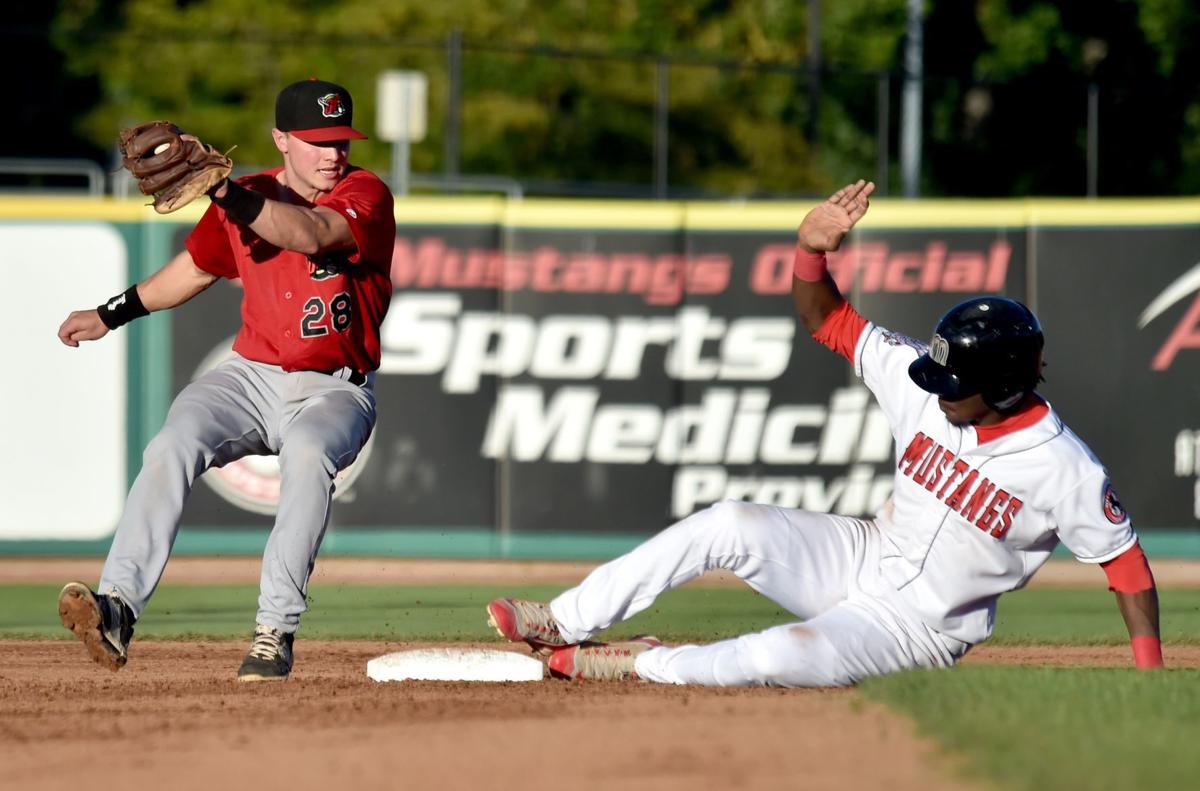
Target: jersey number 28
313,325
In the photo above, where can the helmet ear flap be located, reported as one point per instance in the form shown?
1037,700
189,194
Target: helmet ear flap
1009,391
1001,402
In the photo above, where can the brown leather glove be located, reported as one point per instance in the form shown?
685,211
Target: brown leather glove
173,167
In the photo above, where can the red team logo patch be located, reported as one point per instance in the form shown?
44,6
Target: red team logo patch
1112,506
331,105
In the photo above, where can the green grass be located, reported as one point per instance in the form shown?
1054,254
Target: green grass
1058,728
455,612
1087,617
401,612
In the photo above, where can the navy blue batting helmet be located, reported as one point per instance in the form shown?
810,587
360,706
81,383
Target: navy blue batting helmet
991,346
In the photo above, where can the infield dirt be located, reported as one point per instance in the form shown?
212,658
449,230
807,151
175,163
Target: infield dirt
176,718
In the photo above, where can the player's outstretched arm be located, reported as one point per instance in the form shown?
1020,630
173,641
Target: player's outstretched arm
822,230
1140,612
305,230
174,284
1130,578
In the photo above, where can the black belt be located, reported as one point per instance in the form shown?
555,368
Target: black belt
356,378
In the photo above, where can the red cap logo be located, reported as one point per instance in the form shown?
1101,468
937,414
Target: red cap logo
331,105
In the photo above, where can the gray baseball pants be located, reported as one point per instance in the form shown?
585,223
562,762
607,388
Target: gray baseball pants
316,423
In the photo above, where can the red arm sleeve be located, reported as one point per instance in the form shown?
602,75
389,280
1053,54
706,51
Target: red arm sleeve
1129,575
1129,572
209,245
841,330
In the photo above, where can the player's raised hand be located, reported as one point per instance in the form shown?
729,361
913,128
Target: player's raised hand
82,325
824,227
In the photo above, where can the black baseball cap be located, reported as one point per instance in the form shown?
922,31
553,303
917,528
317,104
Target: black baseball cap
316,112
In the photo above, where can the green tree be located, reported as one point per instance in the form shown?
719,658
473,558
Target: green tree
1007,97
214,66
1005,92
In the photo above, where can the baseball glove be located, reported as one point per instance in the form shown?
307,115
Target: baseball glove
173,167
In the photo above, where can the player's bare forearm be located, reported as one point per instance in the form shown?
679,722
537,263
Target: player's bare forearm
822,231
174,284
308,231
1140,612
815,300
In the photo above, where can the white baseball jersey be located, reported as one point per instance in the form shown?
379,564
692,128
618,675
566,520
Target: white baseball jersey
975,512
970,519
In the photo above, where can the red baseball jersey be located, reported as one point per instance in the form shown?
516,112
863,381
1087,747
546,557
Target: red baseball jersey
308,313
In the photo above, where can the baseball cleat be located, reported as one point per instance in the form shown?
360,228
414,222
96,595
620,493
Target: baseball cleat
103,623
531,622
600,661
270,656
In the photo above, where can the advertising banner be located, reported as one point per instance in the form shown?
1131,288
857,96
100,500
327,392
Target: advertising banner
1121,311
614,380
559,369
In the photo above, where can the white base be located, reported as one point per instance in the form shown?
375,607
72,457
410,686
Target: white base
454,664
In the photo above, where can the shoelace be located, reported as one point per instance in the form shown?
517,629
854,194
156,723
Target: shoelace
267,643
537,618
606,662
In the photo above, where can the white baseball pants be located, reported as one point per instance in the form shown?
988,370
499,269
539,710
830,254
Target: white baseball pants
820,567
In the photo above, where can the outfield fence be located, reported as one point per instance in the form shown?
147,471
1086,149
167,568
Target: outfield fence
564,378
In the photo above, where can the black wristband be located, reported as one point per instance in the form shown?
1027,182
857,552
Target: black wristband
240,204
122,309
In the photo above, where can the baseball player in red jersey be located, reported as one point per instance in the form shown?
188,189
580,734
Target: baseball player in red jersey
988,482
312,243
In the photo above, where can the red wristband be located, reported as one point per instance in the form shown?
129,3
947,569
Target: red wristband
809,266
1147,652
